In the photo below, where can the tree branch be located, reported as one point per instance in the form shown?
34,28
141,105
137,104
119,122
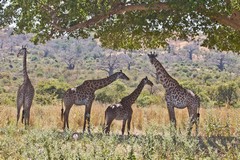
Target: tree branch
119,9
233,21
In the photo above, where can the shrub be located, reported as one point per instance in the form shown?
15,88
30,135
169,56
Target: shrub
113,93
45,99
104,97
34,58
47,91
145,99
7,99
2,90
227,94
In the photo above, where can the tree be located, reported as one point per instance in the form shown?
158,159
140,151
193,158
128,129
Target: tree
191,48
128,24
128,59
110,63
221,63
70,61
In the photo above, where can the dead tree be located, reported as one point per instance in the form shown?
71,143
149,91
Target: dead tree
70,61
109,64
221,63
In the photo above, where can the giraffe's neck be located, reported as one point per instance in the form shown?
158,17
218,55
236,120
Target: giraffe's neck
100,83
166,80
131,98
25,75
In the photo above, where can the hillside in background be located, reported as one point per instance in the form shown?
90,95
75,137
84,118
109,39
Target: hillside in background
62,63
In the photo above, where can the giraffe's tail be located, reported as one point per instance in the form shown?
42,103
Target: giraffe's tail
198,109
198,116
62,111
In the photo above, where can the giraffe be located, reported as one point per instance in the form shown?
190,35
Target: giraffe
177,96
25,92
123,110
84,95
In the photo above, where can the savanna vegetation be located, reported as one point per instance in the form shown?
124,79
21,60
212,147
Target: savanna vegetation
49,70
206,62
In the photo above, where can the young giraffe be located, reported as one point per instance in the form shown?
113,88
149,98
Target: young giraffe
25,92
123,110
84,95
177,96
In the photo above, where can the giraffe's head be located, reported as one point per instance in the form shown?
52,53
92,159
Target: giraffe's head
121,75
147,81
22,51
152,56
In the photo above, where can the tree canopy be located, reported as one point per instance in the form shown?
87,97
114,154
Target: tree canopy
129,24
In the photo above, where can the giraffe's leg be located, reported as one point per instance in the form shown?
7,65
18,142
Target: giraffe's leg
193,119
27,116
197,123
171,114
129,124
109,121
19,103
66,116
87,117
123,126
29,105
23,113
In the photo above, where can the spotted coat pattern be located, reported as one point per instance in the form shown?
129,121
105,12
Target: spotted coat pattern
25,92
123,109
84,94
176,96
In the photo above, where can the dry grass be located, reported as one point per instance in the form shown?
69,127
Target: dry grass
151,137
48,117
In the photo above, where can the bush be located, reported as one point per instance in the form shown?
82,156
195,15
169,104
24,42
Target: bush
7,99
112,94
226,94
2,90
145,99
48,91
45,99
104,97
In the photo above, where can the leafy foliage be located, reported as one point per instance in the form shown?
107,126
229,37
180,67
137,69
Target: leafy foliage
112,94
128,24
48,91
227,94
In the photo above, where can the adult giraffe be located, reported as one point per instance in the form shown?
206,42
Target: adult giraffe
25,92
84,95
177,96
